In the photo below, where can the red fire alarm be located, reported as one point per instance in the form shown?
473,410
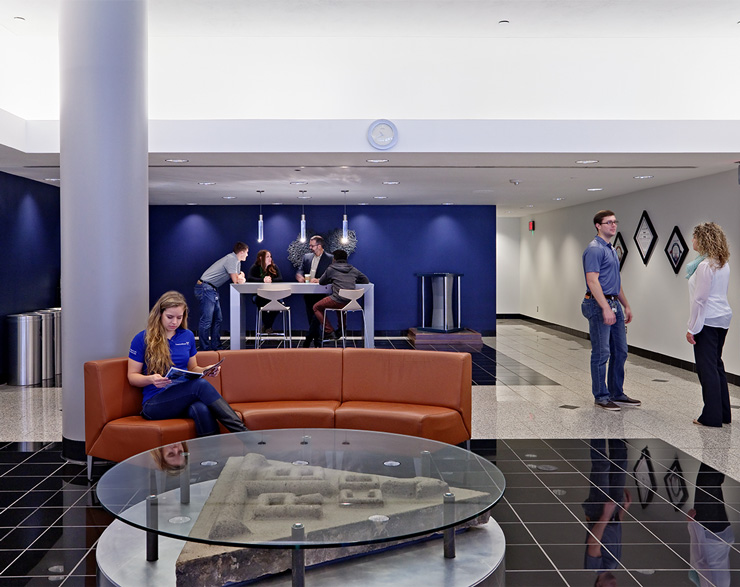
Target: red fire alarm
531,226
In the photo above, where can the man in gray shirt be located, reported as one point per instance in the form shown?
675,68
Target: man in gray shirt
206,291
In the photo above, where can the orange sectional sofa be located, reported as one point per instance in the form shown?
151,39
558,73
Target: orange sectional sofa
419,393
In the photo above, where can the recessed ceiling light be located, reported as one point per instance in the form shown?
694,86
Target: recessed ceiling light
344,167
206,183
192,204
448,203
587,161
530,205
514,181
377,160
229,197
380,197
304,197
644,176
362,204
277,203
298,182
391,182
594,189
19,18
558,199
177,160
503,22
52,179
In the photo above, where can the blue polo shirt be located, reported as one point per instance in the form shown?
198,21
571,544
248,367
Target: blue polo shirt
182,347
601,257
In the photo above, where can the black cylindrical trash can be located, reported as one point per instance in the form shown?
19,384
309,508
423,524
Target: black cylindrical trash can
24,331
47,344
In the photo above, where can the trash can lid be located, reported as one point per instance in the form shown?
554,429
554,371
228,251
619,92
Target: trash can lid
27,317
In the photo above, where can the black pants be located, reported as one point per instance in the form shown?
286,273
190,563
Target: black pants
268,318
711,371
314,330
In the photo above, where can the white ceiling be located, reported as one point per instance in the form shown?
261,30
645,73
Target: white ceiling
425,177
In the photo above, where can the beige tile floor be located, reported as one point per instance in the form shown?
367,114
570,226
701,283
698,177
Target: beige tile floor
668,406
512,411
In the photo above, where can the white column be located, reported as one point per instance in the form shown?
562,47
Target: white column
104,191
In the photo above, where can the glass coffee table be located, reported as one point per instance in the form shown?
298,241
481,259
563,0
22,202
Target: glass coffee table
236,507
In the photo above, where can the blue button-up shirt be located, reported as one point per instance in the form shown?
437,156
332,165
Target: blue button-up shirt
601,257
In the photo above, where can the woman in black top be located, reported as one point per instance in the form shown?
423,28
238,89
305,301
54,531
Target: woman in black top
264,271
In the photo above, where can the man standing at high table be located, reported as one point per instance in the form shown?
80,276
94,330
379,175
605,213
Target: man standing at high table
206,291
313,265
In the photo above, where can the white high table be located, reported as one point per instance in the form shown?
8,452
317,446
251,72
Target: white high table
239,291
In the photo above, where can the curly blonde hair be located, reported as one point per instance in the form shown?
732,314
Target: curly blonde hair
711,241
157,355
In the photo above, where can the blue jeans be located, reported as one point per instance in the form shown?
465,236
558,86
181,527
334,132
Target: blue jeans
209,327
608,343
185,400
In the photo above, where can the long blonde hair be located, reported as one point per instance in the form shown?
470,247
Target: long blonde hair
711,241
157,355
161,462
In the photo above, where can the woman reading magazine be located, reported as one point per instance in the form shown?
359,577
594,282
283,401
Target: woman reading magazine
167,343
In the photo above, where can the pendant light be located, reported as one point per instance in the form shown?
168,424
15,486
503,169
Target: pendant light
345,222
303,220
260,222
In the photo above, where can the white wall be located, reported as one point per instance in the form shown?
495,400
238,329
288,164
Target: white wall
508,234
552,282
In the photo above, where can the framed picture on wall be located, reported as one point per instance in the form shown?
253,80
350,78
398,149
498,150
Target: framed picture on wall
621,249
645,237
676,250
676,485
645,478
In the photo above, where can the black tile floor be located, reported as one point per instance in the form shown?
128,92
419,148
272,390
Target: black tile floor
50,520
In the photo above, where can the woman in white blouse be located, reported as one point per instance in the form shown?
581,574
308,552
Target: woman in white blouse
709,277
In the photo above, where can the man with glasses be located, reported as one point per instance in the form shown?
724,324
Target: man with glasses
606,308
313,265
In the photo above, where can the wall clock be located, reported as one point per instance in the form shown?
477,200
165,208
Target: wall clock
382,134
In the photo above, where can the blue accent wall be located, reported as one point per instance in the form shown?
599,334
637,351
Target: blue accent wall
394,243
30,247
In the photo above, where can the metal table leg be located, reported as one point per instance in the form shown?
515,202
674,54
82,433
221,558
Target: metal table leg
298,569
449,533
152,539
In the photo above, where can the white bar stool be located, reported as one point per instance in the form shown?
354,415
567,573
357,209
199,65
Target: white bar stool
274,294
353,295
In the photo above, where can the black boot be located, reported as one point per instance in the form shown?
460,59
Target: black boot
227,416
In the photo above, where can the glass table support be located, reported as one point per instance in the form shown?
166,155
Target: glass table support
185,480
448,537
298,568
152,538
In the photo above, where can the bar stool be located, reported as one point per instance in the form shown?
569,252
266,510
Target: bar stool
353,295
274,294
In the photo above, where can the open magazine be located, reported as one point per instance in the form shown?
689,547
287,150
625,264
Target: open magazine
181,375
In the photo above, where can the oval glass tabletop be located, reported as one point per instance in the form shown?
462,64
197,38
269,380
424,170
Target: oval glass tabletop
345,487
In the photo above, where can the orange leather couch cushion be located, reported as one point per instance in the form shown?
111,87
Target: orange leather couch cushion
295,375
435,389
284,388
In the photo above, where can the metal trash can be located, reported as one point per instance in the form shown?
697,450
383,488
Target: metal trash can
47,344
24,331
57,340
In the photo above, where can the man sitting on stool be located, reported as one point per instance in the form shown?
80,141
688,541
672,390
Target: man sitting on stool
341,275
